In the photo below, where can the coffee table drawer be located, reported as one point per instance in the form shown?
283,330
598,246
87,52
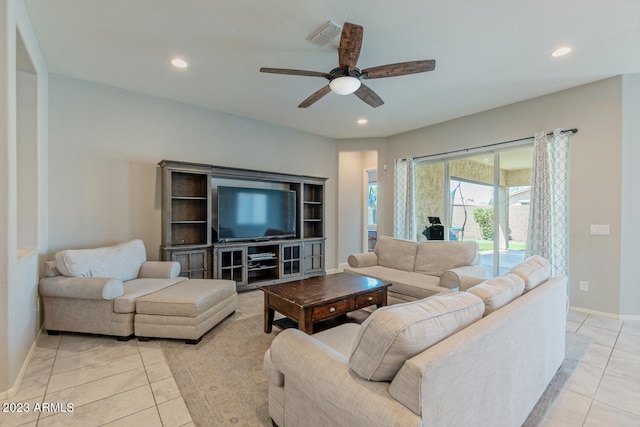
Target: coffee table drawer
331,310
369,299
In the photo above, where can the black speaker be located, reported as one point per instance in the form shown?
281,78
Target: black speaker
434,232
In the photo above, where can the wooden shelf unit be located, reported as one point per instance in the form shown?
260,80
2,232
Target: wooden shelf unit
187,212
313,210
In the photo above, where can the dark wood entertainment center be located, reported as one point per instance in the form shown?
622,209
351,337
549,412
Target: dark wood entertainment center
188,236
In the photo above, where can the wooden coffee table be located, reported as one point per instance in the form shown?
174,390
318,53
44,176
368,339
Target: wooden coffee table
308,301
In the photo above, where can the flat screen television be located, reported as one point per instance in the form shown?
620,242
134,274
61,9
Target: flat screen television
255,214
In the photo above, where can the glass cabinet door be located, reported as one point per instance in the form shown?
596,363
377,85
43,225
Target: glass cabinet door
291,260
232,264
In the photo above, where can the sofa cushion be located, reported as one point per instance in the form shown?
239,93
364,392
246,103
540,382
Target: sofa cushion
436,257
499,291
134,289
534,270
396,333
121,261
396,253
189,298
416,285
340,338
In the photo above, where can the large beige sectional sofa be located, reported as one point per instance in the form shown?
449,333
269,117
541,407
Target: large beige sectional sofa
418,270
479,358
115,291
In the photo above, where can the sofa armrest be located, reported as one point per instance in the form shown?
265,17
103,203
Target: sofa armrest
367,259
274,376
451,278
468,282
81,287
324,384
159,270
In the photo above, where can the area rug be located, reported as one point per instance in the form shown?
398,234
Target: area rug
222,383
221,378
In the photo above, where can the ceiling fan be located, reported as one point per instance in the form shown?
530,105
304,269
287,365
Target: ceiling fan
347,78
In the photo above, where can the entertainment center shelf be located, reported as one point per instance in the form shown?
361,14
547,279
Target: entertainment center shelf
190,219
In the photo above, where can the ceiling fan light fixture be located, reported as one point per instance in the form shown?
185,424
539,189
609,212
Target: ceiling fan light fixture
344,85
179,63
561,51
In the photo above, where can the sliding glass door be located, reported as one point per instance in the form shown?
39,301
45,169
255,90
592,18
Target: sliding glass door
514,194
482,198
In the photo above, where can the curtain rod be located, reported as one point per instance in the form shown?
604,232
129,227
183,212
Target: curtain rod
465,150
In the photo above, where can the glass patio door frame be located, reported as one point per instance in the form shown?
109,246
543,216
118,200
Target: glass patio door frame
445,159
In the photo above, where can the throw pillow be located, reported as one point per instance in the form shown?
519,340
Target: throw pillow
396,333
121,261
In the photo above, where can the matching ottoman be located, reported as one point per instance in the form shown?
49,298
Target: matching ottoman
186,310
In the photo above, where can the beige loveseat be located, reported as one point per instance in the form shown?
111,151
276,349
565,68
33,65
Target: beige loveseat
418,270
480,358
115,291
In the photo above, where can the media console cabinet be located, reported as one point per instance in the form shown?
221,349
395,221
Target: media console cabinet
189,215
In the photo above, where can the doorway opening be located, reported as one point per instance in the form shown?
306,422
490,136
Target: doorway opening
357,202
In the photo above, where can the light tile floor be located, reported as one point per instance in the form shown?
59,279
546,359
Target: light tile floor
108,382
112,383
605,388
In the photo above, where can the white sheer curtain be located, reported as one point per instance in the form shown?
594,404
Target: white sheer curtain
404,211
549,209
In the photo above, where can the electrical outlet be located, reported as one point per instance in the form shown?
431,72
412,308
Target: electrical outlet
38,304
584,286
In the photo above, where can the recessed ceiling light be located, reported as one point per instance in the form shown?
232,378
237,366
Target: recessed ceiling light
363,121
179,62
561,51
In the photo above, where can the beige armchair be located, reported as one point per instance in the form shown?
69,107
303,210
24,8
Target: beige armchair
95,290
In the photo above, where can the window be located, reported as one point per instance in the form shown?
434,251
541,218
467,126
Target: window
372,205
372,208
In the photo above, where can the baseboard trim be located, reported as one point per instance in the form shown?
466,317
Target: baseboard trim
16,385
603,314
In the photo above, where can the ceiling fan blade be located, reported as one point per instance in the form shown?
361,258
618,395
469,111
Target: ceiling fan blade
315,96
399,69
350,44
294,72
365,93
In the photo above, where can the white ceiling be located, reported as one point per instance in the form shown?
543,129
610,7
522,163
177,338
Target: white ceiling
488,53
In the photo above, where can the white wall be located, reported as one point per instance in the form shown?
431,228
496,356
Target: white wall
27,160
349,204
105,144
7,117
595,177
630,212
19,319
